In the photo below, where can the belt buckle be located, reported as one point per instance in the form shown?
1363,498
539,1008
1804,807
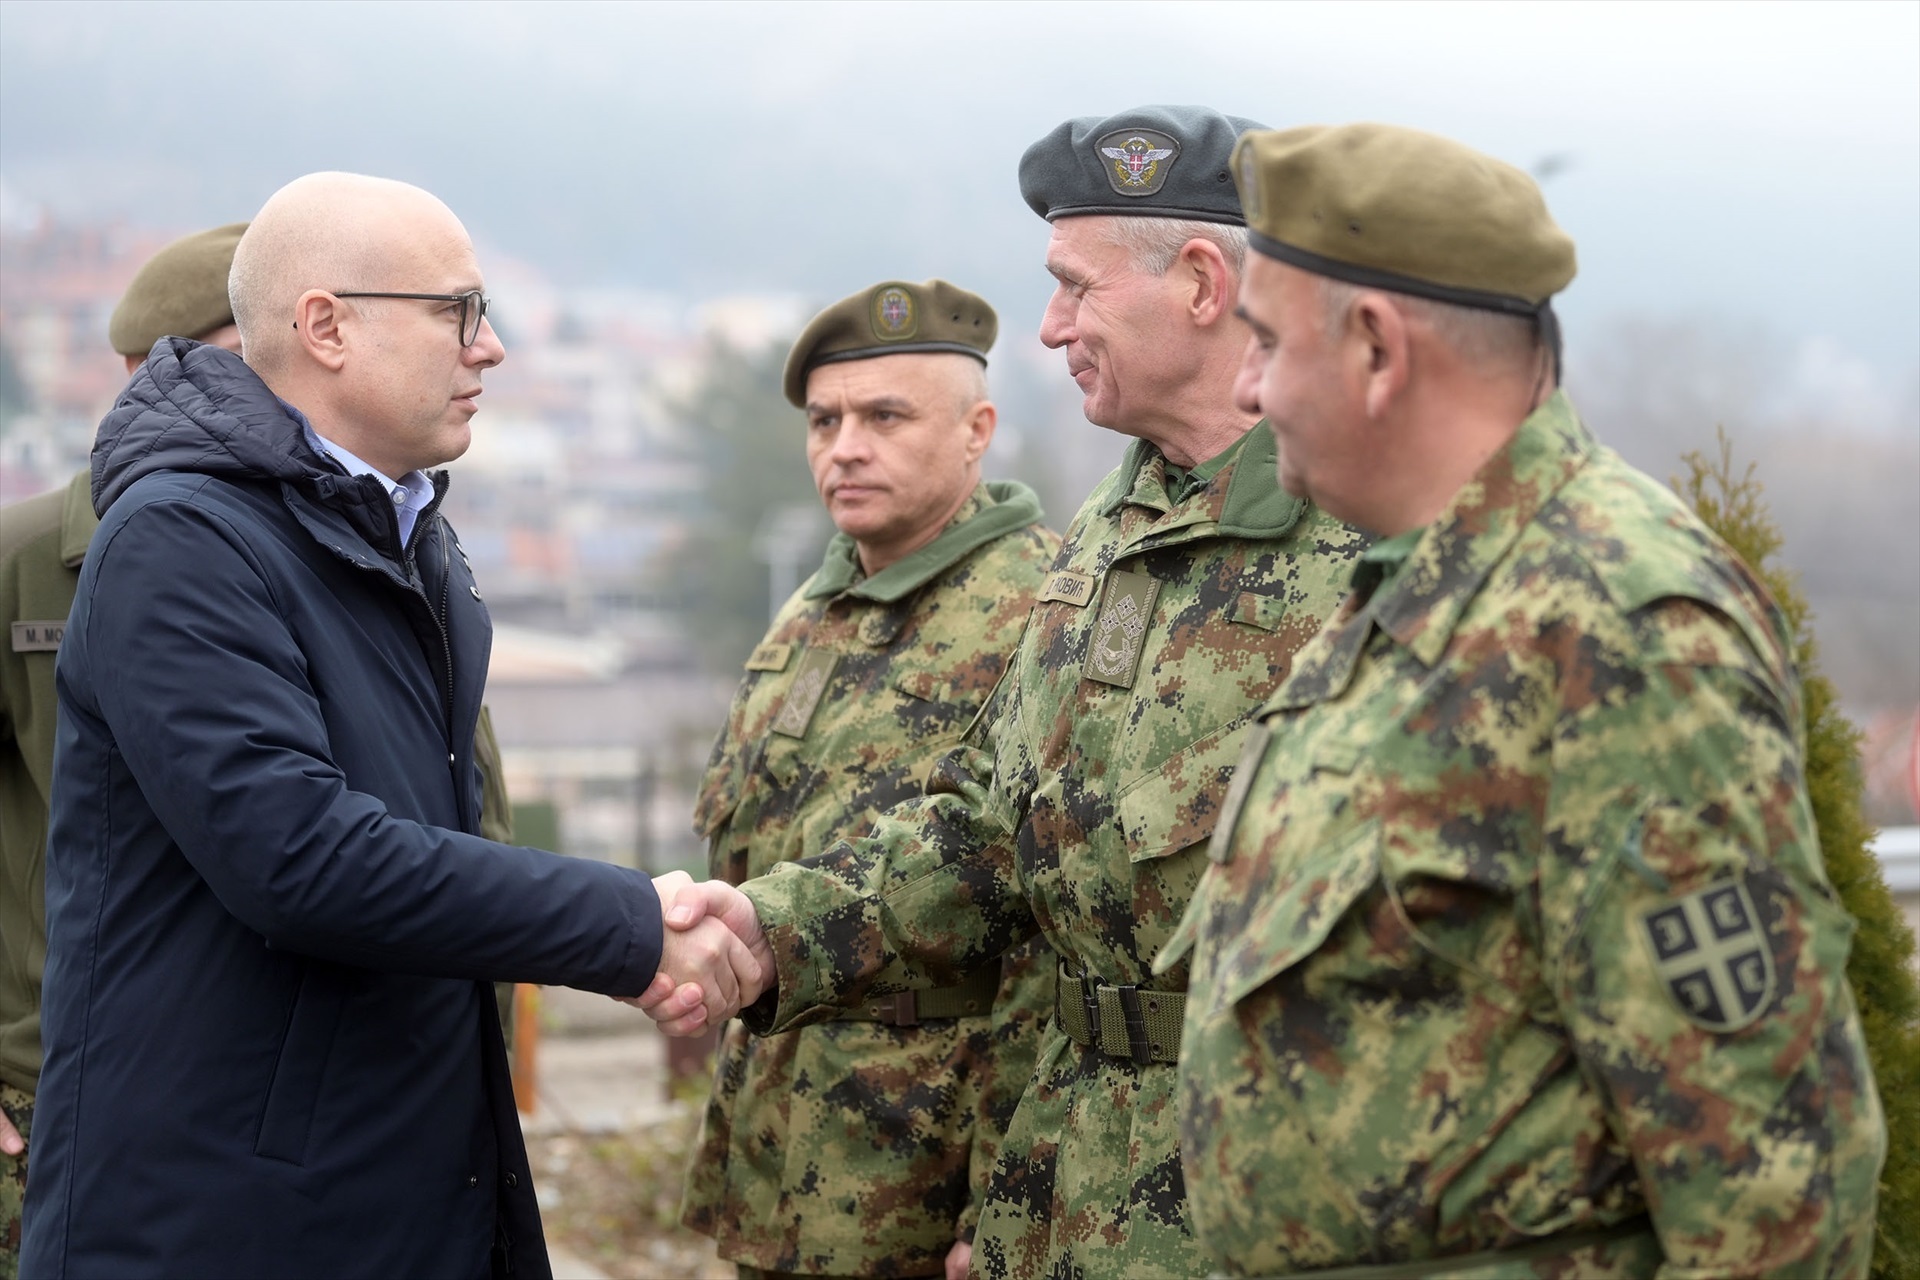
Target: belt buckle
1137,1042
906,1011
1090,1000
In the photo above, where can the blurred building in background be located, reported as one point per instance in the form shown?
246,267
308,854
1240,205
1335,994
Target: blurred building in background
636,496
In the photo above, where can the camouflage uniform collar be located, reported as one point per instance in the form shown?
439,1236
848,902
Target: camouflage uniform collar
1422,602
1242,499
993,509
1420,605
77,520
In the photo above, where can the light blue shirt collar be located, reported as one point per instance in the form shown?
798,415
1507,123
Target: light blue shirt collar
412,493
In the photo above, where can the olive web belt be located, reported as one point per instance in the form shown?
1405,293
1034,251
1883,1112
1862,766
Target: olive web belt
1132,1022
967,999
1563,1245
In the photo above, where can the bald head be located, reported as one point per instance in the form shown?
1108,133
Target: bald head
340,232
395,378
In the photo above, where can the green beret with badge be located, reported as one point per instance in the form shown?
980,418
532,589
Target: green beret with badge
181,291
1385,207
888,319
1150,162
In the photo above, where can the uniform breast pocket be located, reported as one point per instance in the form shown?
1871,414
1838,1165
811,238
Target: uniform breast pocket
1176,805
1296,915
934,709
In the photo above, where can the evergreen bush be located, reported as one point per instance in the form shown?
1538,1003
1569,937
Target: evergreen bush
1880,968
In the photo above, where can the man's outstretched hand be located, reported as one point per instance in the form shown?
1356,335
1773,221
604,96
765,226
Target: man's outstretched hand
714,960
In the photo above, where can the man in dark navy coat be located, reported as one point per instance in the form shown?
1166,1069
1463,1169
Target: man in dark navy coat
270,1046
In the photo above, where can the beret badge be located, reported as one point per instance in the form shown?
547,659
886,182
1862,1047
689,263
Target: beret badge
894,316
1138,160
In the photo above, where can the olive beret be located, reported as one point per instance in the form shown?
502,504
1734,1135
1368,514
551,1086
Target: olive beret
1154,162
887,319
1390,208
182,290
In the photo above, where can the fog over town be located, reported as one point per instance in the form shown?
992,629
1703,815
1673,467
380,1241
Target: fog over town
661,194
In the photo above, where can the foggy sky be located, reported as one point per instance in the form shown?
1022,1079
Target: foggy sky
1753,166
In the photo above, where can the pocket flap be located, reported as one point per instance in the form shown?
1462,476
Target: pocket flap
1297,914
1178,804
924,685
1259,611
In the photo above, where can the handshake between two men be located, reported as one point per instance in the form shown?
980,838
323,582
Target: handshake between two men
714,959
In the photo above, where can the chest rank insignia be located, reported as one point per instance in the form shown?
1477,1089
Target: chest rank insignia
1712,955
1137,160
809,684
1120,633
895,318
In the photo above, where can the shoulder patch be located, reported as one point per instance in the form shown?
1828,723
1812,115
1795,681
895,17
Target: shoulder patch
1712,955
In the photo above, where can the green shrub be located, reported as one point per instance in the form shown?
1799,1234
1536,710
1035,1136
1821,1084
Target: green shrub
1880,968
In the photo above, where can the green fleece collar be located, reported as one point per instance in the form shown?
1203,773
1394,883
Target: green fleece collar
1252,503
995,508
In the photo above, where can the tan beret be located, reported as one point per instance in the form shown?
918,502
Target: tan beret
182,290
887,319
1390,208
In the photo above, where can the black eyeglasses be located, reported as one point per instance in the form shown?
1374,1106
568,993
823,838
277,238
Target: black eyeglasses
473,308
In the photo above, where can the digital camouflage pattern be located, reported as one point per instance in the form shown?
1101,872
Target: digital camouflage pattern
846,1148
17,1104
1080,811
1521,929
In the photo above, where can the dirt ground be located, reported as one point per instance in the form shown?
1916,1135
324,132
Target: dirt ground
612,1200
609,1140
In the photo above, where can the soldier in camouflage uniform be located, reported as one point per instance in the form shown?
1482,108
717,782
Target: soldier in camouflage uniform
844,1149
1519,958
1081,810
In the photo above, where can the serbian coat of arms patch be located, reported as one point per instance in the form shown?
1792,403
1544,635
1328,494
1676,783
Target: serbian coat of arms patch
894,315
1712,954
1137,160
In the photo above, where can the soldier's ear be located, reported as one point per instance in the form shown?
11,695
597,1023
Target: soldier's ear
1378,329
979,423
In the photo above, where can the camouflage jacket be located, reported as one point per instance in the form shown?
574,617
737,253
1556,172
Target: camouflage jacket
1521,930
845,1148
1080,811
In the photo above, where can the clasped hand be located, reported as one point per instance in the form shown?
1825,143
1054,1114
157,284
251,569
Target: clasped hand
714,960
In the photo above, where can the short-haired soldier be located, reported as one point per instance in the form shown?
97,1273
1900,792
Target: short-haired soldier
1519,957
1081,813
845,1148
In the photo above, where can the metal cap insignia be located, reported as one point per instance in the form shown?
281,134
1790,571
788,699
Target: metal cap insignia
1137,160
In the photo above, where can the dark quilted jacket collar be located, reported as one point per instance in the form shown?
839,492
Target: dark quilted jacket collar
200,409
